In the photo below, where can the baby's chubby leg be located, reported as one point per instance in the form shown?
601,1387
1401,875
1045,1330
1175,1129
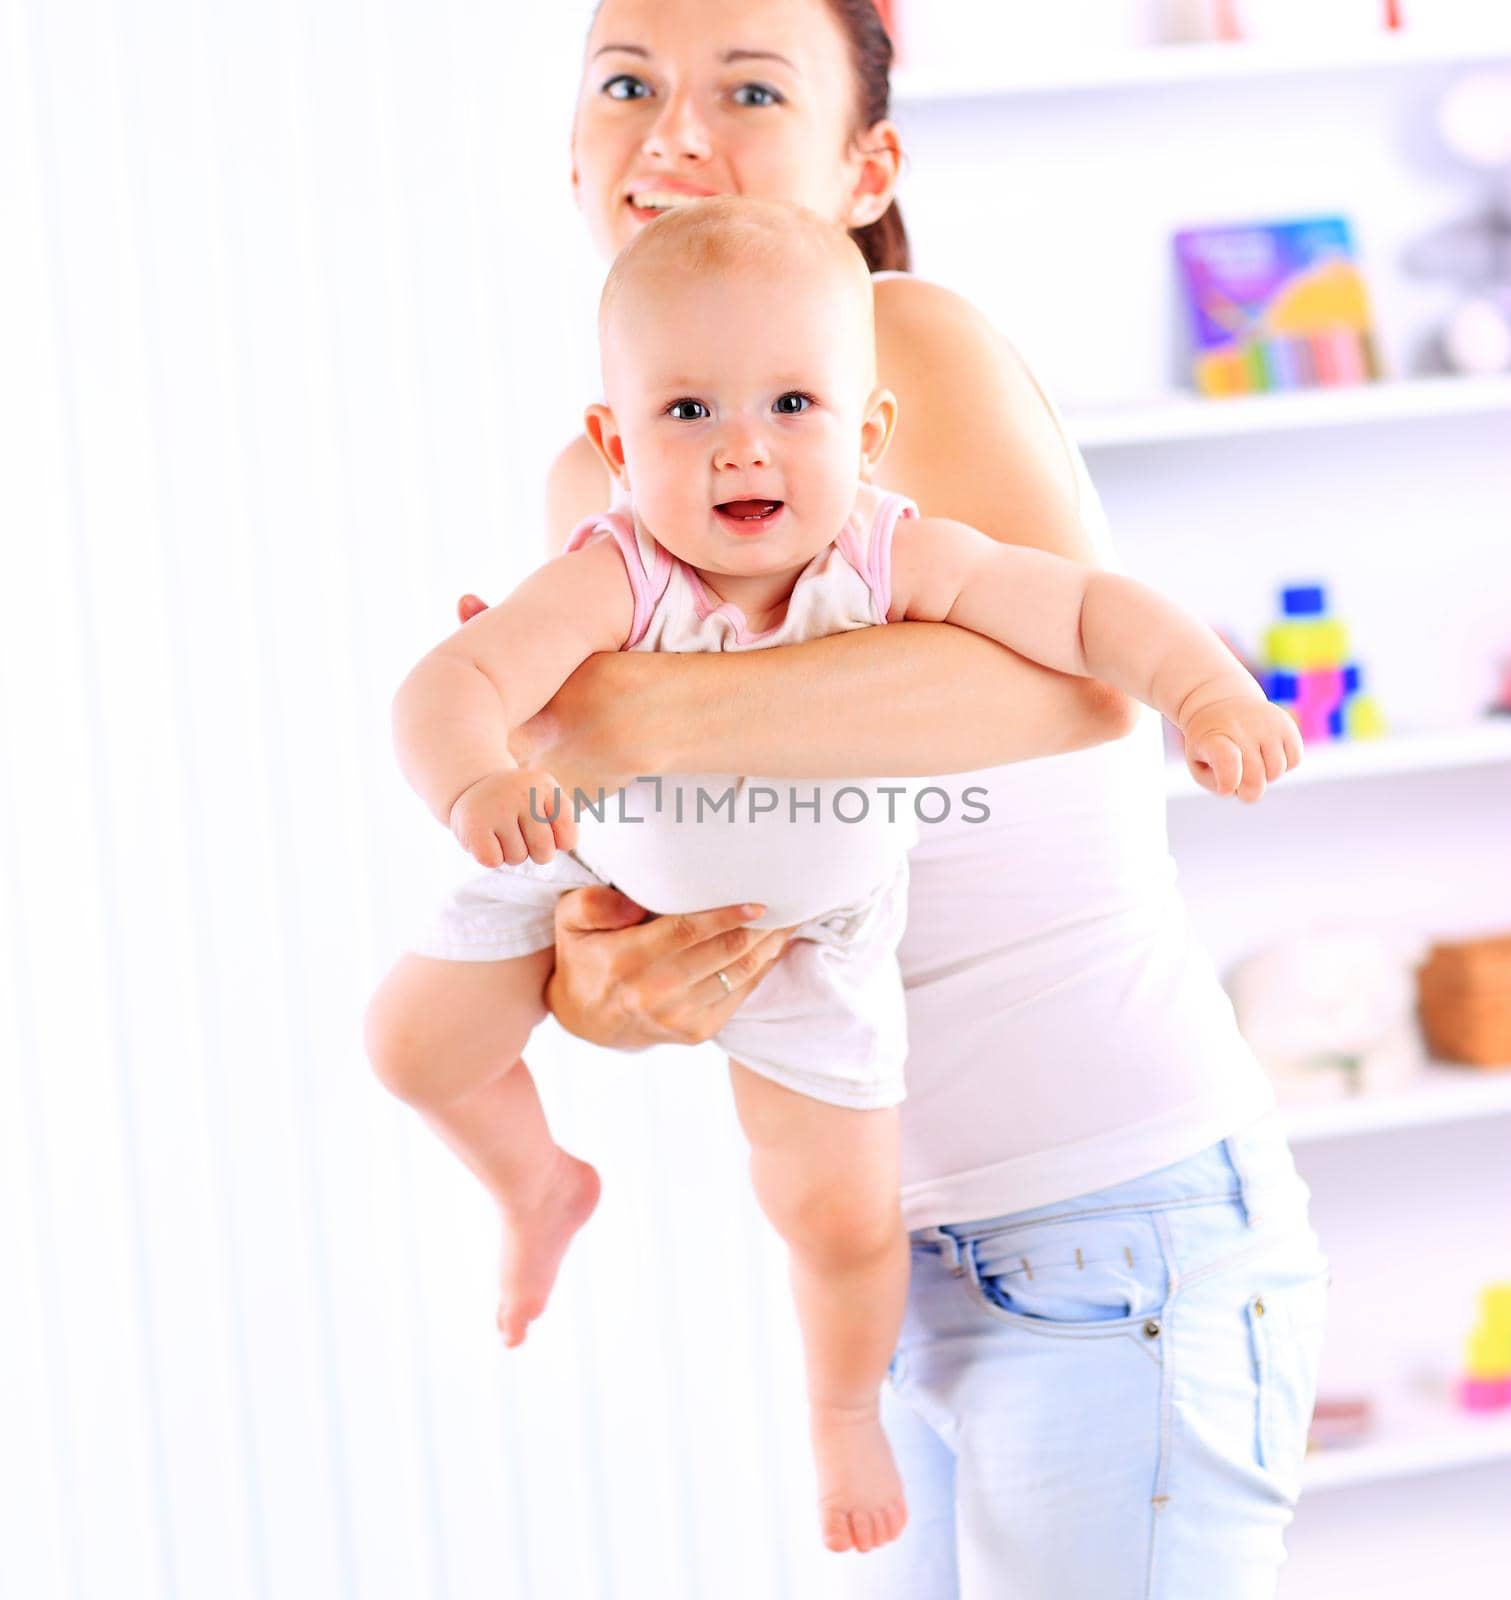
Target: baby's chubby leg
827,1178
446,1037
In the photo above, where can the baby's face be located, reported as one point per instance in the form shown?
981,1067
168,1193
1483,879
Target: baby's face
741,403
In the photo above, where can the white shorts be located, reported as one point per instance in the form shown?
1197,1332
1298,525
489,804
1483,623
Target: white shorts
828,1020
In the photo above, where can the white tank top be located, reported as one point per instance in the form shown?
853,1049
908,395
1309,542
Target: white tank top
1065,1034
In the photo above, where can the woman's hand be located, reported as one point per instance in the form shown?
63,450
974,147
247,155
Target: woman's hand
627,983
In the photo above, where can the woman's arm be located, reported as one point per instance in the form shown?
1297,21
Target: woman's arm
911,699
976,442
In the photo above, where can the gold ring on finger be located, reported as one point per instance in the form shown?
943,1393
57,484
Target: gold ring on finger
723,978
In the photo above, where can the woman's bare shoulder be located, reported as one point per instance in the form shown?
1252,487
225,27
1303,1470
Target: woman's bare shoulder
899,296
932,338
976,439
577,486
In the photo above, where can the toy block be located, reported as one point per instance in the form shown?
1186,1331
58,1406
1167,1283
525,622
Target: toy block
1495,1306
1353,679
1303,600
1475,1394
1488,1356
1321,690
1307,644
1279,687
1363,718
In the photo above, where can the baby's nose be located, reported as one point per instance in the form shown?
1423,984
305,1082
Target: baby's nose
743,448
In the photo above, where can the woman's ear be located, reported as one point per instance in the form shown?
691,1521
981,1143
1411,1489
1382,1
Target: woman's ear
603,432
876,430
879,152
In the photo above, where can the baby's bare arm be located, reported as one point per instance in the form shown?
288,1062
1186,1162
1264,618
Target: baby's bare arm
1076,619
1095,624
454,713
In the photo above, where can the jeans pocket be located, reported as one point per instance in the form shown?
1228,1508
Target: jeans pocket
1093,1272
1285,1332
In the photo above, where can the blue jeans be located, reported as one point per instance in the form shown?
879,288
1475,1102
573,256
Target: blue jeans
1108,1398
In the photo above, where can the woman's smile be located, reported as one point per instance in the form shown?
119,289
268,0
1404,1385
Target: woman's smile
653,196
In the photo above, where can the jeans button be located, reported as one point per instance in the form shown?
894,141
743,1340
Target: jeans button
1151,1329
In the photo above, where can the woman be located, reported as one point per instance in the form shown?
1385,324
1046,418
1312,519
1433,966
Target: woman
1103,1383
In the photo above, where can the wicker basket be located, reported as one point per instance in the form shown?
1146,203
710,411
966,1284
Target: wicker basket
1464,991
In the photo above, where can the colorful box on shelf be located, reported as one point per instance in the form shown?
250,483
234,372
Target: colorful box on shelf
1278,305
1307,670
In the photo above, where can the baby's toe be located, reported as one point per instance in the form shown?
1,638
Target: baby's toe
863,1530
837,1534
513,1323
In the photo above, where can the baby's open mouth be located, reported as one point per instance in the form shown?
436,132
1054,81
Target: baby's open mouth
749,510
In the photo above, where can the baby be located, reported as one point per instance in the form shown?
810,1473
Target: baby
742,425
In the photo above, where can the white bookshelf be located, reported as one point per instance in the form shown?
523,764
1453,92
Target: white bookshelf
1440,1094
1484,744
1168,66
1399,504
1176,418
1414,1435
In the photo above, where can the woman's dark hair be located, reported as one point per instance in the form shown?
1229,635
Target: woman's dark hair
884,243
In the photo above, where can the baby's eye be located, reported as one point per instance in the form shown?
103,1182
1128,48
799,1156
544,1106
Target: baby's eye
757,94
793,404
687,410
625,86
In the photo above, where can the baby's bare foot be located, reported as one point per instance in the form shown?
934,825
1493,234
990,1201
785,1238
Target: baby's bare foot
535,1239
860,1497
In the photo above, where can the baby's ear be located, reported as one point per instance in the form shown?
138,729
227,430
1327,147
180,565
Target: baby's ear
876,430
603,432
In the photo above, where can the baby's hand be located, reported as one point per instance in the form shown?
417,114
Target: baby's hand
1236,745
510,817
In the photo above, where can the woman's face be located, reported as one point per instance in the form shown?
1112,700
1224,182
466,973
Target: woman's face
682,98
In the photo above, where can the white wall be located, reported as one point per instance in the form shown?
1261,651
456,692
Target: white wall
293,309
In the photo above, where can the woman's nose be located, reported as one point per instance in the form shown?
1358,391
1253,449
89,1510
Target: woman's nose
678,134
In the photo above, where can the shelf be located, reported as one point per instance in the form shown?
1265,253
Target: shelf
1485,744
1442,1094
1415,1436
1185,417
1168,65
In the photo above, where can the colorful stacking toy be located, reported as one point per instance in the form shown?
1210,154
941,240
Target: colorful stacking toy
1486,1385
1307,670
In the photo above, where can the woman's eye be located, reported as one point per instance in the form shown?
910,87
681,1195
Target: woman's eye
624,86
756,94
687,410
792,405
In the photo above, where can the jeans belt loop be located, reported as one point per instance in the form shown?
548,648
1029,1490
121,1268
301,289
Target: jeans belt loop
1245,1190
949,1247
